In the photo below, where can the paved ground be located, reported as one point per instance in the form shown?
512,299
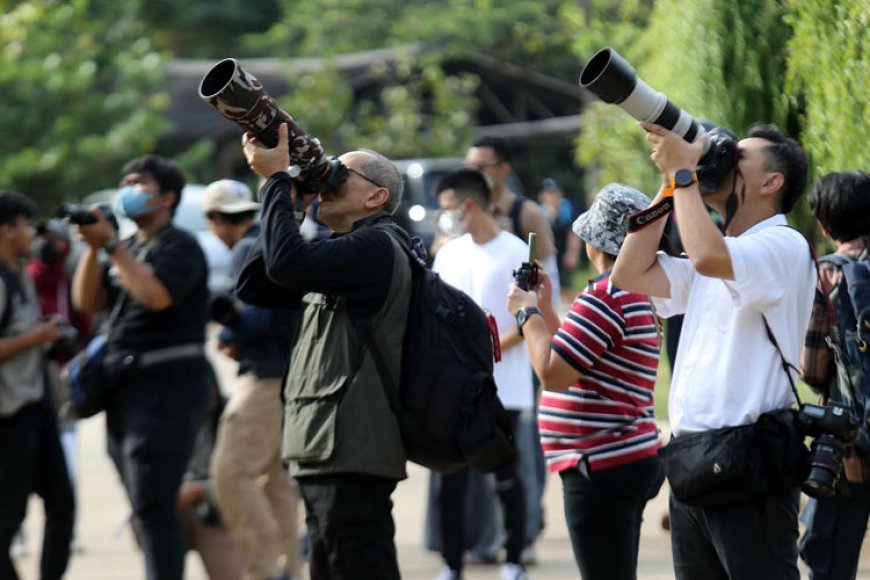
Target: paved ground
110,554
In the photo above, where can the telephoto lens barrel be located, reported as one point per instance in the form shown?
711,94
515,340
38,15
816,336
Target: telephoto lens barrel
609,77
239,96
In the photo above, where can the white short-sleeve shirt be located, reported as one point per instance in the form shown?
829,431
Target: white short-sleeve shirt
727,371
485,272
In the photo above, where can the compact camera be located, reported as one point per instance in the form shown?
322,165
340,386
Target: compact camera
833,427
608,76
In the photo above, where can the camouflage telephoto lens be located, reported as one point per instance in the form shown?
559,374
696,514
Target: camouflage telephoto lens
240,97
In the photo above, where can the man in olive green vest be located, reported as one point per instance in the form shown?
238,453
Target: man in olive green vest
341,441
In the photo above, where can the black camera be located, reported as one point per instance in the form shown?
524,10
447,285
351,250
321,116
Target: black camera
239,96
81,215
613,80
68,344
223,310
833,428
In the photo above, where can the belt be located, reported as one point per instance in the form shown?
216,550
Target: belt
168,354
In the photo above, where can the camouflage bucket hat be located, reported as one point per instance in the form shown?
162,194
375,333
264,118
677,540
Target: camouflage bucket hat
605,224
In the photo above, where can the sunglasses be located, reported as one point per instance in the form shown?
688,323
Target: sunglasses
366,177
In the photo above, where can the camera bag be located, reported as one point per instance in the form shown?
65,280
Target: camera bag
89,381
738,464
447,403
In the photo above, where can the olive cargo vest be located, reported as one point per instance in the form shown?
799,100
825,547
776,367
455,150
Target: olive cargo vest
337,418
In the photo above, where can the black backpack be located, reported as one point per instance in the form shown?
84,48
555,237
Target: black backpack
447,405
850,339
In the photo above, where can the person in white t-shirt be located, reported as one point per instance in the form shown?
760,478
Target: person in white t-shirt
727,370
480,260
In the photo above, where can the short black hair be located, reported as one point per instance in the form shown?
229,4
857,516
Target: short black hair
841,203
14,205
784,156
466,184
167,174
500,147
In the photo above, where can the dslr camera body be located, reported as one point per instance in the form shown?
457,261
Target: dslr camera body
833,428
81,215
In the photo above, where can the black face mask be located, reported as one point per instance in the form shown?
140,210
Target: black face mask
49,254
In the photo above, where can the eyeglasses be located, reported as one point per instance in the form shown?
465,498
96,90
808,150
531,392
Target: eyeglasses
366,177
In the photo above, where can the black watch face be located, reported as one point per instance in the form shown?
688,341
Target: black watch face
683,178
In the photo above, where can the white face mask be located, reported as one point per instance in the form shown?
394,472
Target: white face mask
453,222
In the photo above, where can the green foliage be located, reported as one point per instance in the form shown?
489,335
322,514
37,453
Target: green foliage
829,67
518,32
420,110
719,60
75,105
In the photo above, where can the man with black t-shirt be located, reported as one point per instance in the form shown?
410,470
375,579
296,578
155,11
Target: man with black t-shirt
154,296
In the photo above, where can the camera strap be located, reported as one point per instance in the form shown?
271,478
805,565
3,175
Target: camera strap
786,366
653,213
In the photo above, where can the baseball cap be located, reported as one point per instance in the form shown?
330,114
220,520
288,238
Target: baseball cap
228,196
605,224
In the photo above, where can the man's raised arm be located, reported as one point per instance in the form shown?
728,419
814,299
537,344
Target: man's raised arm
636,268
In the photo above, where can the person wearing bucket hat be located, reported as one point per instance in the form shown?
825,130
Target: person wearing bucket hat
605,225
251,487
598,368
747,294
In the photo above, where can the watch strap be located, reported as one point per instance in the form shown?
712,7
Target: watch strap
111,245
674,185
523,316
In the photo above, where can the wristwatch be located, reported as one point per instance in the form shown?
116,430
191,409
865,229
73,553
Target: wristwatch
111,245
682,178
523,315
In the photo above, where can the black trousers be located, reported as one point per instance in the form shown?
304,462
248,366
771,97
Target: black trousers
604,512
350,526
509,489
756,540
32,461
152,423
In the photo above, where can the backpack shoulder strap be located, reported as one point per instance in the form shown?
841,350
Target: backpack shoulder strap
516,212
13,288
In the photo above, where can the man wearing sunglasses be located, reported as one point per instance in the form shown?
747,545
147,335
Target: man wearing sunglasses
341,441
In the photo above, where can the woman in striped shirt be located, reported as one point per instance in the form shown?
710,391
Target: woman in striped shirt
598,368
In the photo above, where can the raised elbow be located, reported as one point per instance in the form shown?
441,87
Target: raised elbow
706,265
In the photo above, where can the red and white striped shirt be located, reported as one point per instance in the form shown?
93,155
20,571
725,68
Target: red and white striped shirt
606,418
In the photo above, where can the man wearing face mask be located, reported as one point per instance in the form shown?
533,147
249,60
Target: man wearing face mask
154,294
479,261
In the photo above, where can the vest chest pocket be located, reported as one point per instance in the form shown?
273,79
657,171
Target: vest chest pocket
310,422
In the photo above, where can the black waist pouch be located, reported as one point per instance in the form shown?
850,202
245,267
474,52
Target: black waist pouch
736,464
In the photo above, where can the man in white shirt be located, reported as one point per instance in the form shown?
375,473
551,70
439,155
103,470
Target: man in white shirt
727,371
480,260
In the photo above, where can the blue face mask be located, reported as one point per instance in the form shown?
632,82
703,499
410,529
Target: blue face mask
131,202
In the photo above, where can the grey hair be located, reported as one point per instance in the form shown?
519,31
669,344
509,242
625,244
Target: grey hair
382,170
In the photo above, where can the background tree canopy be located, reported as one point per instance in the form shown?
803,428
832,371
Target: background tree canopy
82,79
